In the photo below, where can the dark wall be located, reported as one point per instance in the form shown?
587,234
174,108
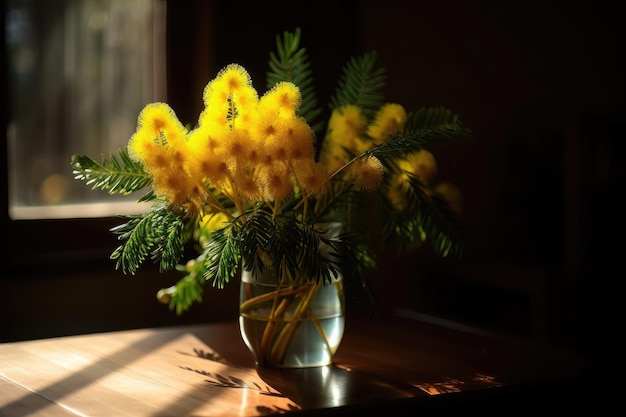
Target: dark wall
541,84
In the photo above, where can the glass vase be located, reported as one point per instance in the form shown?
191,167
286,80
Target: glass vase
295,323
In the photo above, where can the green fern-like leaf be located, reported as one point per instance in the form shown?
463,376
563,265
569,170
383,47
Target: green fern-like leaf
285,245
325,261
254,234
421,131
361,84
222,256
158,234
356,258
291,63
118,176
441,224
171,239
427,216
189,289
435,118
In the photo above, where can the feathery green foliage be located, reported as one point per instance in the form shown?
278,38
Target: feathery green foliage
123,176
221,257
361,84
292,63
188,290
159,234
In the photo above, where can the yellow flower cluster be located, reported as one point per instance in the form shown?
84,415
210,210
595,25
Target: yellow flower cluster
350,134
258,149
246,147
421,164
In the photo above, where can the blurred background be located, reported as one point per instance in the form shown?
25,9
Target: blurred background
540,84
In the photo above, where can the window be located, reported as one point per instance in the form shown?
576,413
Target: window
76,74
79,72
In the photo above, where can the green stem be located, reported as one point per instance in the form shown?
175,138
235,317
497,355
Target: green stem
284,338
248,304
268,333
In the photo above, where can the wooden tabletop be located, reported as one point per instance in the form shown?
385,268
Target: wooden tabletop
205,370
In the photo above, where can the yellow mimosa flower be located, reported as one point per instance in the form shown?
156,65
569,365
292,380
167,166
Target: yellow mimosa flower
300,139
143,147
175,185
284,97
422,164
213,221
346,123
215,119
264,125
204,138
237,145
310,175
247,183
277,183
160,138
247,102
276,145
390,119
159,118
397,192
367,173
231,79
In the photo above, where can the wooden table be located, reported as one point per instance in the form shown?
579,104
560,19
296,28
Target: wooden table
404,363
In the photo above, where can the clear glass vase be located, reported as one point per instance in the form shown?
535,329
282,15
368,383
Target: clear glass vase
291,324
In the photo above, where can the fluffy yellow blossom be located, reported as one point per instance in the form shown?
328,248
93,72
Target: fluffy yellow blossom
345,124
213,221
300,140
344,127
208,224
178,187
390,119
159,118
277,182
160,144
254,149
207,157
215,119
230,99
237,145
276,143
143,147
283,98
158,129
291,138
247,183
232,79
368,173
311,176
421,164
397,193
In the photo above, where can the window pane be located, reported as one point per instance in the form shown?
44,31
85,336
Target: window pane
80,71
